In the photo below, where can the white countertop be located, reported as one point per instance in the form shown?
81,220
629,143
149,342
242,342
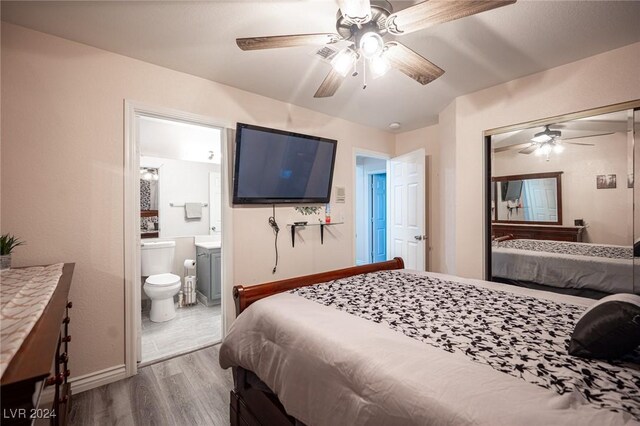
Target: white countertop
209,245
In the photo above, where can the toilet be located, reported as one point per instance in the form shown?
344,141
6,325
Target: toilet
161,285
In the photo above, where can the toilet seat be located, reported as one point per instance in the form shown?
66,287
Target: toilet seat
162,280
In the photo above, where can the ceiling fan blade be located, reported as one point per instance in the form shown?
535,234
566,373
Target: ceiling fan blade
429,13
356,11
511,147
529,149
578,143
329,85
409,62
585,136
273,42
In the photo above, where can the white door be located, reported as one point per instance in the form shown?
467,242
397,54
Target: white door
541,196
405,209
215,203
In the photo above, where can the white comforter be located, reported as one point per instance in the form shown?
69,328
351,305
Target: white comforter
332,368
565,270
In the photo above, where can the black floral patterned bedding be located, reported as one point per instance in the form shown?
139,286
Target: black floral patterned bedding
564,247
522,336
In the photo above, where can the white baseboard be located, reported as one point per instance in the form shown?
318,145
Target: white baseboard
88,381
98,378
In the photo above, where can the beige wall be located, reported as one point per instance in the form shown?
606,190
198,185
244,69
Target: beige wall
62,174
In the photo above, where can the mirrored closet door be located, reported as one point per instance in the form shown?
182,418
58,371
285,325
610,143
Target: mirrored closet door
560,204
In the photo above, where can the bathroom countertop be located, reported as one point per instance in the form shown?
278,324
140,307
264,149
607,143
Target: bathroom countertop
209,245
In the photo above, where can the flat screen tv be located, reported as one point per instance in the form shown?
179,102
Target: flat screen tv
275,167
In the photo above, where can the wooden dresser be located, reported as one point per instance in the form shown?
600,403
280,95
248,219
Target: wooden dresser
538,232
41,365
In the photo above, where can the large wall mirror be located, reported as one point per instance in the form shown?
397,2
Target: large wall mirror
527,198
560,203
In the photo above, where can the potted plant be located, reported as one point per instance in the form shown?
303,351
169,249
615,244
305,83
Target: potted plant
7,244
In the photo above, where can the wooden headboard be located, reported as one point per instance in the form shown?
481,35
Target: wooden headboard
246,295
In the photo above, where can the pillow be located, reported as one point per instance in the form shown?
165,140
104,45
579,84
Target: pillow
609,329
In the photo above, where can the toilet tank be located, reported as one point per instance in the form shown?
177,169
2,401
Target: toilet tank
157,257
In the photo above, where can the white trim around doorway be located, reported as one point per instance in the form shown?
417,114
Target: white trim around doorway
132,283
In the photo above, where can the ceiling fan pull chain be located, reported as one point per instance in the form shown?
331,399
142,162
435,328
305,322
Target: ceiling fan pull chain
364,74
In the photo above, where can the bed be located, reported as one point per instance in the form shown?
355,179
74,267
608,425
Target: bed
597,268
378,344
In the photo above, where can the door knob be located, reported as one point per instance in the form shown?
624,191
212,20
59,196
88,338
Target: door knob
420,237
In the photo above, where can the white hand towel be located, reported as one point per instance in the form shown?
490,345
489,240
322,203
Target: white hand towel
193,210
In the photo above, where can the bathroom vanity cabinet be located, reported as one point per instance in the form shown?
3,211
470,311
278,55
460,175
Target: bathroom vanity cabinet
208,273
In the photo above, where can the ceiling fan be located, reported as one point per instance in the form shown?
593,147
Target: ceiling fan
364,24
548,141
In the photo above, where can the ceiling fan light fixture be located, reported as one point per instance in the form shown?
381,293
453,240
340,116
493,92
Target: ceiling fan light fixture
371,44
541,137
343,61
546,135
557,148
545,149
356,11
379,66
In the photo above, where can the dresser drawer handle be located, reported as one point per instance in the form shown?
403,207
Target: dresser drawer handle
54,380
66,320
66,338
69,305
66,373
64,358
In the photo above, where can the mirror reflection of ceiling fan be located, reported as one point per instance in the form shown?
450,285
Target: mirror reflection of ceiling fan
364,24
548,141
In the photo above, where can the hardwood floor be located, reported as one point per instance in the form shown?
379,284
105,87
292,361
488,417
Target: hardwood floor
191,389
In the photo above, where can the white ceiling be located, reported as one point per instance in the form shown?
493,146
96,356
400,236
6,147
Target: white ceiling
476,52
178,140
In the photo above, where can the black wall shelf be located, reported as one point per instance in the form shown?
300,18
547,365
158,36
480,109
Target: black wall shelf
320,224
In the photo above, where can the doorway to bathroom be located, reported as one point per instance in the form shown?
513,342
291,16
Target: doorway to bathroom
178,289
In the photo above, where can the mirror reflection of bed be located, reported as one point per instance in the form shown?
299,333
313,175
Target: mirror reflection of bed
561,206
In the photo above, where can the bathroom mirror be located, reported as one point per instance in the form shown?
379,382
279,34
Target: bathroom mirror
187,194
528,198
560,203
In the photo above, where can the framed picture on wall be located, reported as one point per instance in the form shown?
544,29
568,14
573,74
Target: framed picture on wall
606,181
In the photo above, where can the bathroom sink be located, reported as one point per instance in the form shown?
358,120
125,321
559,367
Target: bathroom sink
209,245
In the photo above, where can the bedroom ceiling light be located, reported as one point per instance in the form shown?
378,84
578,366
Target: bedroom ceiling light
355,11
394,126
363,24
344,61
379,66
546,148
371,45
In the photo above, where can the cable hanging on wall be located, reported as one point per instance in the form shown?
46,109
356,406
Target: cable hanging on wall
276,229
